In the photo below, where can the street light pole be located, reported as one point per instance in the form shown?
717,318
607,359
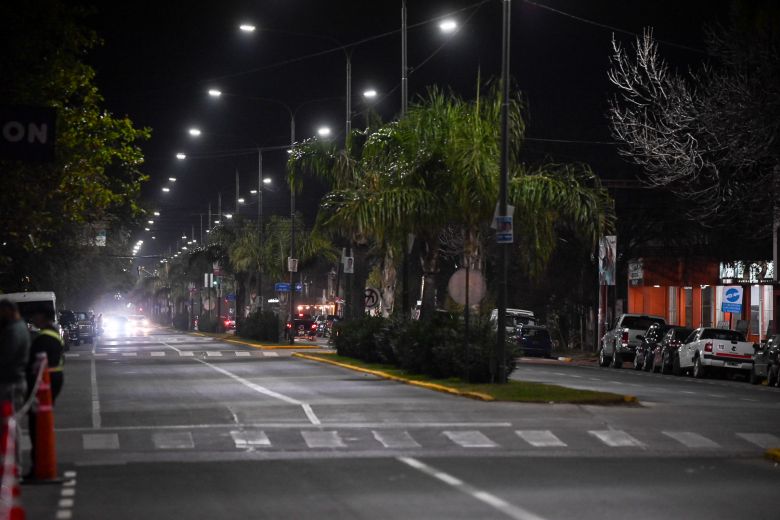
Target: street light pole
404,68
502,205
349,97
292,235
259,291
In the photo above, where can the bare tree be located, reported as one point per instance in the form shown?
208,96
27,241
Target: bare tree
709,136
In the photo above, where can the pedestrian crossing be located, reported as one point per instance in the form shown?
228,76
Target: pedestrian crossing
385,439
136,353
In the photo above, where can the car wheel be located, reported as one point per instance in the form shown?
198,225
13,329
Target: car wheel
676,368
699,370
604,361
617,361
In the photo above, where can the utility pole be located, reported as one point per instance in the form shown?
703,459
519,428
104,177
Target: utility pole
201,229
219,207
349,98
259,289
292,239
404,68
502,203
237,196
208,222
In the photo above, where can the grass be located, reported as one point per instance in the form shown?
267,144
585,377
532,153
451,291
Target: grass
513,391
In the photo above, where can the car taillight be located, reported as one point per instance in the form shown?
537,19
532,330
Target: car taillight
289,325
625,337
708,347
313,326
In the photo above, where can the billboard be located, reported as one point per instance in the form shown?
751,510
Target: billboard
607,258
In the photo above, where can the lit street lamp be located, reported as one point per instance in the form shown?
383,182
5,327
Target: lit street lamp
166,189
369,94
181,156
213,92
448,26
323,131
194,132
247,27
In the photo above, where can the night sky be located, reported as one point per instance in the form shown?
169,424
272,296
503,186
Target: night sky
159,59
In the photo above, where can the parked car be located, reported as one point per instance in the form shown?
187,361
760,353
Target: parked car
619,344
665,350
709,348
534,341
514,318
86,326
228,322
766,362
649,341
301,326
70,328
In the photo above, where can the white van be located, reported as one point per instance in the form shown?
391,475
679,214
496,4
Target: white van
30,301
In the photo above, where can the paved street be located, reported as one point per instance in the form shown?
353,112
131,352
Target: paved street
166,424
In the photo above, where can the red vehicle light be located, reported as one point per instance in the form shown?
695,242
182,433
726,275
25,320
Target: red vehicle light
625,337
708,347
313,326
289,325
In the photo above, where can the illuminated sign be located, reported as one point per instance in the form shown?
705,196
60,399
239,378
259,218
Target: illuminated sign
748,273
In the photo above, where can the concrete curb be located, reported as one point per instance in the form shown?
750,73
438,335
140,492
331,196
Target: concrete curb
773,454
258,345
384,375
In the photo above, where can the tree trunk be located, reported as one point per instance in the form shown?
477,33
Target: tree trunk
359,281
430,267
389,277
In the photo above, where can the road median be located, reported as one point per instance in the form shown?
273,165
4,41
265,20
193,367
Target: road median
265,345
513,391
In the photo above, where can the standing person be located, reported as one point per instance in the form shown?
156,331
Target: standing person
49,342
14,352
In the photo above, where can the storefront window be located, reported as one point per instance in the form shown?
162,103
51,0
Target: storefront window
673,314
706,306
688,306
755,307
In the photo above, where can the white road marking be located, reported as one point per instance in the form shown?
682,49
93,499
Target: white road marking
762,440
395,439
69,474
499,504
615,438
66,503
243,354
100,441
100,354
173,440
470,439
68,492
271,354
286,425
158,354
692,440
250,439
71,354
320,439
64,514
186,354
214,353
266,391
130,354
96,421
687,392
540,438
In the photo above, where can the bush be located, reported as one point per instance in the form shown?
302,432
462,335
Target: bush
181,322
262,326
435,347
207,324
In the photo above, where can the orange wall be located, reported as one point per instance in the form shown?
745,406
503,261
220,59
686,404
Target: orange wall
648,300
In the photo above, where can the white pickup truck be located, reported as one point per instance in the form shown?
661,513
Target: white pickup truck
707,348
619,344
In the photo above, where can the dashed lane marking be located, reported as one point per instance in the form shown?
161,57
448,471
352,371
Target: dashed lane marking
173,440
158,354
243,354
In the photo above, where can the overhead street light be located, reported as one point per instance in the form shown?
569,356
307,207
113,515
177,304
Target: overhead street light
267,180
323,131
181,156
241,200
194,132
150,222
253,192
172,179
247,27
448,26
156,213
166,190
228,216
370,94
146,229
213,92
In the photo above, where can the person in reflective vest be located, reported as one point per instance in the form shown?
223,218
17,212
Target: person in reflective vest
49,342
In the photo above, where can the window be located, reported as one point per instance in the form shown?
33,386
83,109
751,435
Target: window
673,314
706,307
688,306
755,300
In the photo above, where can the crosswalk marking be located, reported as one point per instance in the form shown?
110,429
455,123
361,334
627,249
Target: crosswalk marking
243,354
71,355
158,354
762,440
185,353
173,440
130,354
540,438
100,441
249,439
326,439
395,439
615,438
692,440
214,353
271,354
470,439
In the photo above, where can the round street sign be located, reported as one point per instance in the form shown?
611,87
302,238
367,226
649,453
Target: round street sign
457,286
371,298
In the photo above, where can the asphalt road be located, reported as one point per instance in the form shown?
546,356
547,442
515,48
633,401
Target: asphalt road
162,424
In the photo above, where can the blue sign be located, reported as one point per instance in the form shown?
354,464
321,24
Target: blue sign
299,287
732,299
504,230
282,287
231,297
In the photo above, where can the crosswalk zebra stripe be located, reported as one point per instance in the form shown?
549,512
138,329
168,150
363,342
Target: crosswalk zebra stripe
100,441
173,440
248,439
326,439
762,440
271,354
615,438
540,438
395,439
130,354
214,353
470,439
243,354
186,354
692,440
158,354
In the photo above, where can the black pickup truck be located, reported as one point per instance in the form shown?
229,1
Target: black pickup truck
302,325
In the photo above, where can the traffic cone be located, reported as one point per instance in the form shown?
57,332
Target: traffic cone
45,445
17,511
10,493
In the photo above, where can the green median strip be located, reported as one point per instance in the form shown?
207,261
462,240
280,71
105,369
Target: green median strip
515,391
265,345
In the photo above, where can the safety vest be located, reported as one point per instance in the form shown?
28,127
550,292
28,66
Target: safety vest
52,334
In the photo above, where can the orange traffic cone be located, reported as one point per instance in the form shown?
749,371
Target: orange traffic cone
10,492
17,511
45,445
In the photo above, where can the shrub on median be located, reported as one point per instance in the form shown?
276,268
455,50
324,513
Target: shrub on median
435,347
261,326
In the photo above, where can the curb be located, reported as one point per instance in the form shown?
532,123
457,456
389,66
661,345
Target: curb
384,375
772,454
258,345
